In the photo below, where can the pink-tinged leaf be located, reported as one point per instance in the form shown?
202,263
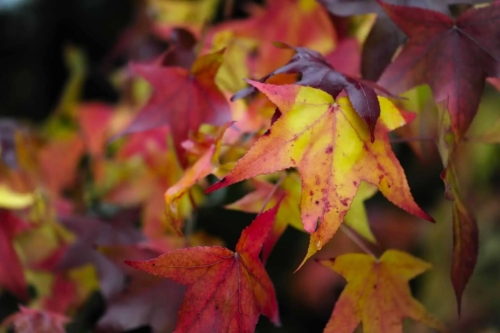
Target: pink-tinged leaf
94,121
182,99
226,291
346,57
36,321
453,56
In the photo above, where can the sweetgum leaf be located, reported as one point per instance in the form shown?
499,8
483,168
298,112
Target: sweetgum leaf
316,72
330,145
453,56
226,290
377,293
182,99
384,37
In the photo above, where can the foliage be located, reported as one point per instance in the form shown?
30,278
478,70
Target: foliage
107,210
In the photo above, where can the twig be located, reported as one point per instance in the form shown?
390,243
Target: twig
355,238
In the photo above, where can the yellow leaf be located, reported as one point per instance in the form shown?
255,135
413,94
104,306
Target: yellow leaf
377,293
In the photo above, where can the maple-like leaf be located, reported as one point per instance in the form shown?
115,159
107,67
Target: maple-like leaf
453,56
11,269
227,291
384,37
182,99
330,145
377,293
316,72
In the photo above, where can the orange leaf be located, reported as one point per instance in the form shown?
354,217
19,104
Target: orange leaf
331,146
205,165
226,290
377,293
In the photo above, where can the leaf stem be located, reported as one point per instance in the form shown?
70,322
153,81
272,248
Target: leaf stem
411,139
355,238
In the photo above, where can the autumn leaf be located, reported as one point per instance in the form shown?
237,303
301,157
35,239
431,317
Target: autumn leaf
377,293
11,269
206,164
227,291
182,99
39,321
453,56
330,145
384,37
316,72
465,228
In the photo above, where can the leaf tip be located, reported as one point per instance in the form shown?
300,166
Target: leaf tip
220,184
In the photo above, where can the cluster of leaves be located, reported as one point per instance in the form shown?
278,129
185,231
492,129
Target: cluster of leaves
100,188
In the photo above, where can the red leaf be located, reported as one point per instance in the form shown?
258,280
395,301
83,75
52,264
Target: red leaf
226,290
453,56
11,269
181,99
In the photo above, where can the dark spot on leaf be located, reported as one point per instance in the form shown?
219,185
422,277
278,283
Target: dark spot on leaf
329,150
316,202
311,193
267,132
344,202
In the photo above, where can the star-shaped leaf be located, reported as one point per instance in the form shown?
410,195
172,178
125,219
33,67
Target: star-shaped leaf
377,293
182,99
330,145
453,56
227,291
